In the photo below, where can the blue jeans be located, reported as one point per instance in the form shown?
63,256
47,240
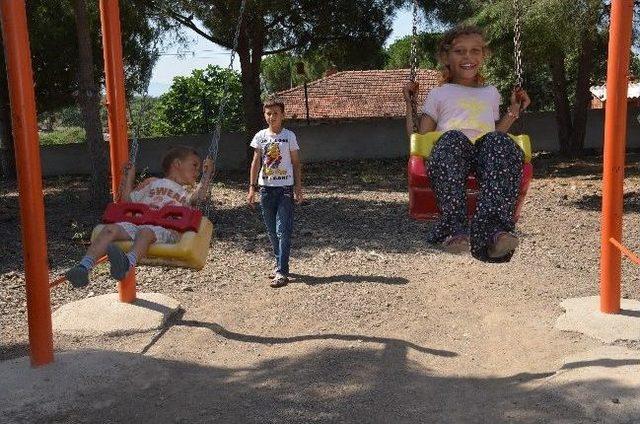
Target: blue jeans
277,212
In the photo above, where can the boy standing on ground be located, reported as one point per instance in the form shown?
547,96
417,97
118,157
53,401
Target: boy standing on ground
279,181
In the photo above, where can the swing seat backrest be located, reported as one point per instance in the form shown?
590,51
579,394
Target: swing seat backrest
178,218
135,213
422,200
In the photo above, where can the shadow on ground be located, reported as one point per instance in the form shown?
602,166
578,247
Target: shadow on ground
327,385
589,166
593,202
340,223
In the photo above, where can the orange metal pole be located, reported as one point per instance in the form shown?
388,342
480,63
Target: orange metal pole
116,107
615,132
27,150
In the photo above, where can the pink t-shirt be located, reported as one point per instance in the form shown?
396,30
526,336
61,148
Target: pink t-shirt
159,192
472,110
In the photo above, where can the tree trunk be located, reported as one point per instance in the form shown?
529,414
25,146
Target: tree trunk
583,95
7,157
89,103
250,53
561,101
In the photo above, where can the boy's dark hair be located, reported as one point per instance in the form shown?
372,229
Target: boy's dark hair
273,102
176,152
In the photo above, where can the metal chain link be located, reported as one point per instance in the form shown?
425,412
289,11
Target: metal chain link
135,143
517,47
215,139
414,64
414,43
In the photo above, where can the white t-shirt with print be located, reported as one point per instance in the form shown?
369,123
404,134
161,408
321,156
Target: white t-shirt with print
276,169
472,110
159,192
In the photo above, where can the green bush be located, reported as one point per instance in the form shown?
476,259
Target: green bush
63,135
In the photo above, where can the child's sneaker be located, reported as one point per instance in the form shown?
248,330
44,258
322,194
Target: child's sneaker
119,262
273,272
279,281
503,244
78,276
456,244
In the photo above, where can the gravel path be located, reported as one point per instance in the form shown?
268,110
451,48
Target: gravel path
367,290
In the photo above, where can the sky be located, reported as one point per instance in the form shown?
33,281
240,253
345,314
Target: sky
200,53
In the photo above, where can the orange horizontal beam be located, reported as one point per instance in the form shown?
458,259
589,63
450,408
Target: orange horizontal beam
628,253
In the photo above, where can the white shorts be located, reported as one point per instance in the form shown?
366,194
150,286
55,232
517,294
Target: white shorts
162,234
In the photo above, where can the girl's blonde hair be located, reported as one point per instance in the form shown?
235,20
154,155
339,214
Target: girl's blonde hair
447,41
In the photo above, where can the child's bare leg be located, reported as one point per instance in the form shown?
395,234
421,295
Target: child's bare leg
121,263
144,239
108,235
78,276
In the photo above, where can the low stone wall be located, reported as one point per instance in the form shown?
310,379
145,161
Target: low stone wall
383,138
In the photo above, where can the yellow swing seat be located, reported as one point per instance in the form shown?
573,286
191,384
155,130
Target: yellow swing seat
189,252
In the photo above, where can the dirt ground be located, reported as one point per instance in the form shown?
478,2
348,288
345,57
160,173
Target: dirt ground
376,326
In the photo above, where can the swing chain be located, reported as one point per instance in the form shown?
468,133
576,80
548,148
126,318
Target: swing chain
517,47
215,139
414,64
414,43
135,142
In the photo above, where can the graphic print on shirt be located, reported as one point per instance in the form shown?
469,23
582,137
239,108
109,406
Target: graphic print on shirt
271,163
474,109
159,192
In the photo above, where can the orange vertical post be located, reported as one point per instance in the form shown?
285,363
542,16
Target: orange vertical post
615,133
116,107
27,150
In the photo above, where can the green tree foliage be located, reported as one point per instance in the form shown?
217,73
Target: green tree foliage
399,52
54,52
54,47
192,103
279,72
271,27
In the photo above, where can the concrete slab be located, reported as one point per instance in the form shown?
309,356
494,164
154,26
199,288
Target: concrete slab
583,315
106,316
603,383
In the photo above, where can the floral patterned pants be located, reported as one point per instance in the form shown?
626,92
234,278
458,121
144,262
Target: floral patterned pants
497,163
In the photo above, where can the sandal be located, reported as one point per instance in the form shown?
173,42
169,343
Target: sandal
456,244
279,281
503,244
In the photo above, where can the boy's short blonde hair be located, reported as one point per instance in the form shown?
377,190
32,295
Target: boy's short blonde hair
273,102
176,152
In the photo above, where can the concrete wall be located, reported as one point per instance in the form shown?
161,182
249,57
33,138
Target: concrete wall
74,158
384,138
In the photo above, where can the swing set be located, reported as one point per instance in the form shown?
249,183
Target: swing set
20,78
193,246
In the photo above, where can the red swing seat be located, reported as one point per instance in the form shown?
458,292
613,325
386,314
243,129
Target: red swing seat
422,200
179,218
190,251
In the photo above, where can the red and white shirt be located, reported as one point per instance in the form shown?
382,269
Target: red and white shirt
159,192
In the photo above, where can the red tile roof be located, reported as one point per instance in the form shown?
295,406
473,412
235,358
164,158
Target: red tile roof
356,95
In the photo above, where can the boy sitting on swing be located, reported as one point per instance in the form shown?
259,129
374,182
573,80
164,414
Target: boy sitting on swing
181,167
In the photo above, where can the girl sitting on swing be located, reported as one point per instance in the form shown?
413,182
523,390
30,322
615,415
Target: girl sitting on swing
181,167
474,139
